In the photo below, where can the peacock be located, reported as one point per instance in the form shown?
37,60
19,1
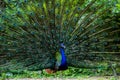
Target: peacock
56,34
61,63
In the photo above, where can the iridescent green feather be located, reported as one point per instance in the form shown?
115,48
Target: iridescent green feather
58,58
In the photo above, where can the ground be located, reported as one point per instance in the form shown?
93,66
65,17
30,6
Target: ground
88,78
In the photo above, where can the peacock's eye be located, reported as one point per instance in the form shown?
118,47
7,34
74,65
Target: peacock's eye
67,11
35,24
78,8
57,4
31,13
42,16
9,0
3,16
25,1
92,31
18,12
39,5
14,25
1,28
58,16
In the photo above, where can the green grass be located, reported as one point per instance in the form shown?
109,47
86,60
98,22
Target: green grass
74,73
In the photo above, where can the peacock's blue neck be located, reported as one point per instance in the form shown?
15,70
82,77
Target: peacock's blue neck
63,61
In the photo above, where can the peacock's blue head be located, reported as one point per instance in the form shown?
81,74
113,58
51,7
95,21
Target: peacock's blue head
62,45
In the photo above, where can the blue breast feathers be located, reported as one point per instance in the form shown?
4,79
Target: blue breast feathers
62,51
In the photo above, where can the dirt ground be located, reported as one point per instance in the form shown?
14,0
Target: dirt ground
89,78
